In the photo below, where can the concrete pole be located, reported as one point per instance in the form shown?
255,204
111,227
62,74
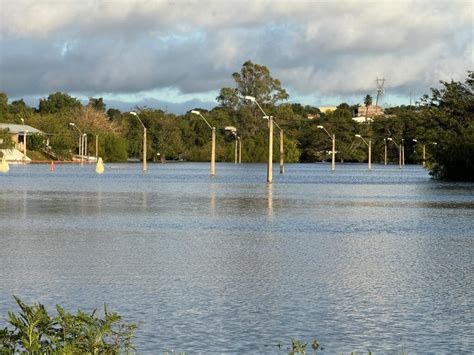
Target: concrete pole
282,154
424,155
97,146
235,150
82,150
213,152
144,150
385,153
400,156
370,155
270,151
80,146
24,146
403,154
85,146
333,165
240,150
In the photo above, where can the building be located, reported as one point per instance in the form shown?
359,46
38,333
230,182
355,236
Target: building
326,109
18,132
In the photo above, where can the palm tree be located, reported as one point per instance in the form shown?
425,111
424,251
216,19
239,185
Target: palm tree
367,103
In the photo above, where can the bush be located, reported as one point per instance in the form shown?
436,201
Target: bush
34,331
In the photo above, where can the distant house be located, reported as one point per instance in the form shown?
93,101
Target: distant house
326,109
312,116
18,133
372,111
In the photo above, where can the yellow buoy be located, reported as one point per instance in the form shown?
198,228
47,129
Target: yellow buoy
4,167
99,168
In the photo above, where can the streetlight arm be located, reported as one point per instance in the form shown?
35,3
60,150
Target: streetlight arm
359,136
136,115
276,124
325,130
205,120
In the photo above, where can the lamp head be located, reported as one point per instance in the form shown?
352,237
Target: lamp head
389,139
195,112
435,143
72,124
358,136
415,140
133,113
250,98
320,127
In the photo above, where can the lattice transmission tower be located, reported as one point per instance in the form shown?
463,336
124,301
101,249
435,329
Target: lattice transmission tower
380,90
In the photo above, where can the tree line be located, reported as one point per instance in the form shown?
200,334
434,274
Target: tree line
445,117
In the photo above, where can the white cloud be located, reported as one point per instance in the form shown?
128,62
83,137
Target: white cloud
317,48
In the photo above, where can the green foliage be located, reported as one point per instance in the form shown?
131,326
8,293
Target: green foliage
36,142
113,148
5,139
58,102
113,114
97,104
451,112
34,331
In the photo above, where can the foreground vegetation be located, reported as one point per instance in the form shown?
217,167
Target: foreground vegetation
446,117
34,331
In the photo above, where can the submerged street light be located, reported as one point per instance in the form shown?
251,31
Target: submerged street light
144,140
333,139
399,151
424,149
270,139
213,142
369,146
385,151
80,144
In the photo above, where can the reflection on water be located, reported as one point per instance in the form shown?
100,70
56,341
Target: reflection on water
381,260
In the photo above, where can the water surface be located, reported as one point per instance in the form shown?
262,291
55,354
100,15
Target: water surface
381,261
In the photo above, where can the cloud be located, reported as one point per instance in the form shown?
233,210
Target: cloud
317,49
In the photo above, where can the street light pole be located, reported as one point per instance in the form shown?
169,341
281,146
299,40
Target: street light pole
282,151
80,144
403,152
270,139
240,150
333,139
144,141
369,146
213,142
385,152
399,152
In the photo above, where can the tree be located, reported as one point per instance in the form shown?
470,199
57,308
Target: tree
451,108
367,103
253,80
228,97
113,113
97,104
3,104
58,102
5,139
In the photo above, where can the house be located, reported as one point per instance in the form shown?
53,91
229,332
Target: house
18,133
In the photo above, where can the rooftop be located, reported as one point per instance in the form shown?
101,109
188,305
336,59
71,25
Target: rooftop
20,128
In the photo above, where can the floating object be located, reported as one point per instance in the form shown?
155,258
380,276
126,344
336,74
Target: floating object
52,167
99,168
4,167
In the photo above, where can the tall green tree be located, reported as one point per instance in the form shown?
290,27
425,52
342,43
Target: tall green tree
58,102
253,80
451,108
367,103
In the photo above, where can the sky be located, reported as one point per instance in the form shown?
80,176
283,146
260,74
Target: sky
177,55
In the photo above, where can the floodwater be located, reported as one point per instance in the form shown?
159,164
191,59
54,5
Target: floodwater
381,261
